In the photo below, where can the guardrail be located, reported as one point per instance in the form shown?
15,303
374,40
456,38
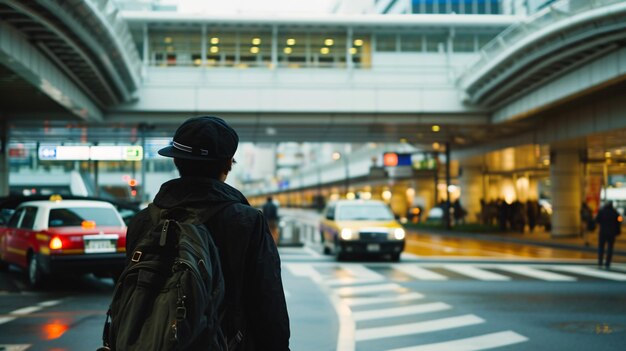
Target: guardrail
556,12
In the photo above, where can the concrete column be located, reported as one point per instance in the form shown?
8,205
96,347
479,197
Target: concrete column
4,158
398,200
565,182
471,192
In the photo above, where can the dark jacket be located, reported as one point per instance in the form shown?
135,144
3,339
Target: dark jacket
254,299
607,218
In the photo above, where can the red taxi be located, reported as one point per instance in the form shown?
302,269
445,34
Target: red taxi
64,236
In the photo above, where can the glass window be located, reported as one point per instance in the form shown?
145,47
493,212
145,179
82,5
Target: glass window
15,218
74,216
411,42
386,42
294,50
481,7
464,43
361,50
364,212
175,48
436,42
29,217
255,49
328,49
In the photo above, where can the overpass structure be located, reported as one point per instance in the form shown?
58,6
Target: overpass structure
82,71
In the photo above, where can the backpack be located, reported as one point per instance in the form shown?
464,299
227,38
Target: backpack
168,297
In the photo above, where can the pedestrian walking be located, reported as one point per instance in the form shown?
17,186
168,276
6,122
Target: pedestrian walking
610,227
254,311
270,210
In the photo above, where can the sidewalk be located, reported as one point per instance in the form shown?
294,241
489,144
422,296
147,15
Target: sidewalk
538,238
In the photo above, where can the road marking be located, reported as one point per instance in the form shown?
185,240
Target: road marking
357,274
419,272
592,272
360,301
483,342
400,311
536,273
417,328
14,347
364,289
27,310
475,273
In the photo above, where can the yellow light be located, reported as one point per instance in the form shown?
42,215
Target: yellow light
350,196
329,42
197,62
214,49
436,146
288,50
291,41
607,154
56,243
403,140
215,41
546,162
170,49
336,156
88,224
256,41
254,50
386,195
358,42
55,197
324,51
436,128
353,51
167,40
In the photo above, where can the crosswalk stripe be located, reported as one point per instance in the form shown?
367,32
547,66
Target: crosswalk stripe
591,272
536,273
355,290
360,301
417,328
399,311
361,271
475,273
419,272
476,343
14,347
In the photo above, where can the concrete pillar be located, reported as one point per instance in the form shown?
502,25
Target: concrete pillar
398,200
565,182
4,158
471,192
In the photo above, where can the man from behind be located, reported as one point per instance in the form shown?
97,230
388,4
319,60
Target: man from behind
270,211
609,220
254,310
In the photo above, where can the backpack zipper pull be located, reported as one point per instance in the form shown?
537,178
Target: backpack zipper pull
163,239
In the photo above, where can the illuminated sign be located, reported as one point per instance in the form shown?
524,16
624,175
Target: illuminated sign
393,159
96,153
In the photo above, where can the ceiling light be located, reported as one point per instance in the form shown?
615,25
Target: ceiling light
167,40
329,42
436,146
324,51
254,50
291,41
353,51
215,41
288,50
214,49
358,42
256,41
436,128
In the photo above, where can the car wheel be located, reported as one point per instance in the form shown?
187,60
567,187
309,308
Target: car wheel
35,275
395,257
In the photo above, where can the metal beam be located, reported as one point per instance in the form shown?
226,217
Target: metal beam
25,60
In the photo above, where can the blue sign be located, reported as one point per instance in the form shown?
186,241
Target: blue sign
48,153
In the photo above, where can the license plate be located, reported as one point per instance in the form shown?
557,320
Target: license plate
100,246
373,247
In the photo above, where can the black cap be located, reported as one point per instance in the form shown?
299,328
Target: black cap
203,138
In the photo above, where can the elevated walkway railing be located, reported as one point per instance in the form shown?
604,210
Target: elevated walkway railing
505,41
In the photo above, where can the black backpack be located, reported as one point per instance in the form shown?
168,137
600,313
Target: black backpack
169,296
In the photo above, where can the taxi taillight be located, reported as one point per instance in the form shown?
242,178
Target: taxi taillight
88,224
56,243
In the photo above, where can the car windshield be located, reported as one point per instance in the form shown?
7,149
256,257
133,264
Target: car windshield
364,212
74,216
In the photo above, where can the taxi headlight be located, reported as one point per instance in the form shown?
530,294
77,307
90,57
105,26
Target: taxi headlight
346,234
399,233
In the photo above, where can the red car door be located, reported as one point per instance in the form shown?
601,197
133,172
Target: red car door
24,237
12,253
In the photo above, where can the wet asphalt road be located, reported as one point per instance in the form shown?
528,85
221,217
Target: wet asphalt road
419,304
